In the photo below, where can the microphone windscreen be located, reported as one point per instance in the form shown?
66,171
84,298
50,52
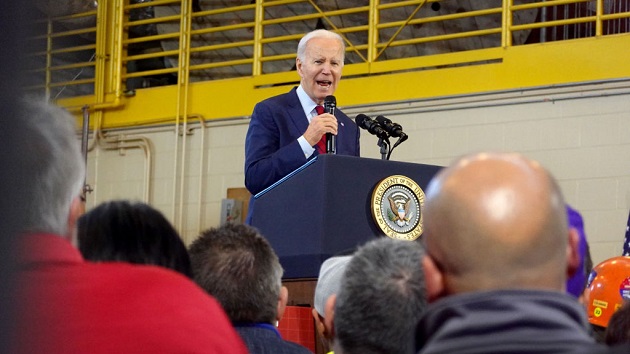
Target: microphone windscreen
382,120
360,120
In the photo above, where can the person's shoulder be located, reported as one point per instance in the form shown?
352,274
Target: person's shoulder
141,276
281,99
140,279
295,348
163,308
262,340
287,347
132,270
167,297
341,115
623,348
601,348
619,348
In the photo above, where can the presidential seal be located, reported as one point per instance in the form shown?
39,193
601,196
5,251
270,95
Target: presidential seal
397,203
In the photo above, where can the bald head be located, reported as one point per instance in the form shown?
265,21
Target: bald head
497,221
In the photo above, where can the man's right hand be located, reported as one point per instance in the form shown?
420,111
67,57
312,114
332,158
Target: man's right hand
320,125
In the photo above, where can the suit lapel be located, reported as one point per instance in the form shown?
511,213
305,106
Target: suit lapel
296,114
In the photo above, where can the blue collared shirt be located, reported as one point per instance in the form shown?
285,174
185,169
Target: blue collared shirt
308,105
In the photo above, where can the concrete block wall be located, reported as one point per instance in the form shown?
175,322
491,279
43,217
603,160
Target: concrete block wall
583,141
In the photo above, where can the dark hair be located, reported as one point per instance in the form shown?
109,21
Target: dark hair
131,232
381,298
235,264
618,330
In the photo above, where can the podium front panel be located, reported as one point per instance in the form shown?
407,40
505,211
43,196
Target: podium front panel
324,209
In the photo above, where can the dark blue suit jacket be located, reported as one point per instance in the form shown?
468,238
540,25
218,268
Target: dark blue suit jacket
268,341
271,147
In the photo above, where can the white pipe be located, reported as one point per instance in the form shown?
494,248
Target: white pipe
202,149
500,98
126,142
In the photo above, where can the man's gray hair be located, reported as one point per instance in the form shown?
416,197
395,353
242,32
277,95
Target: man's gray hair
52,163
381,298
329,280
235,264
320,33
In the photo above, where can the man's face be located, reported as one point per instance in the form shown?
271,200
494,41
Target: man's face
321,69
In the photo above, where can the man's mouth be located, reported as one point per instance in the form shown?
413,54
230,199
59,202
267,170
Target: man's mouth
324,83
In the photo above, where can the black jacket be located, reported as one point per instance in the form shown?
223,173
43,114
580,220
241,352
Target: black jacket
506,321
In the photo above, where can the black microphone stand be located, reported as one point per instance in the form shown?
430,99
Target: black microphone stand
384,144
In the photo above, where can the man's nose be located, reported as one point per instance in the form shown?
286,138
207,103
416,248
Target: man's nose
327,68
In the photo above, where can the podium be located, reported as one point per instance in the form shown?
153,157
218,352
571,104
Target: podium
323,209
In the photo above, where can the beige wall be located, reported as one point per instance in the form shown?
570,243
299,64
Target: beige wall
581,134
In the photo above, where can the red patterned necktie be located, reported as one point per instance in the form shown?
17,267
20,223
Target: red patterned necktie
321,144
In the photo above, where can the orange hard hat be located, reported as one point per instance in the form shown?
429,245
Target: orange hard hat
607,288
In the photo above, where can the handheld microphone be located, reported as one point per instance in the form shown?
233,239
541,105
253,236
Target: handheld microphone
393,129
330,103
371,126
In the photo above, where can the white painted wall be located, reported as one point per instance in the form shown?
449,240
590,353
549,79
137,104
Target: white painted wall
581,134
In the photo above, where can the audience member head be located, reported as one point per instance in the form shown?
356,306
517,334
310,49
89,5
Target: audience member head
577,283
131,232
54,167
328,283
235,264
496,221
618,330
607,288
320,56
381,299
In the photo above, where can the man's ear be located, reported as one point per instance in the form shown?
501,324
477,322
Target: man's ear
282,302
77,208
329,315
573,252
298,66
433,279
319,322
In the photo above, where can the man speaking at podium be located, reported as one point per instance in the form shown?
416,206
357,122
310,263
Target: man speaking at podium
289,129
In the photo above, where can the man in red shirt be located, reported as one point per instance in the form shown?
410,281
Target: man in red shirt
66,305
